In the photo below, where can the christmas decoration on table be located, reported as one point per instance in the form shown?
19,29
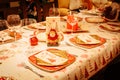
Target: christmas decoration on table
52,31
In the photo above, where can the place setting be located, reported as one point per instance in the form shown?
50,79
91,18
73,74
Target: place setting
116,23
73,31
13,33
7,78
110,27
86,41
73,25
90,12
95,19
5,53
51,59
66,17
8,36
37,26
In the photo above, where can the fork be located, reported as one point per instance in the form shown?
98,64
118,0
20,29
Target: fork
28,67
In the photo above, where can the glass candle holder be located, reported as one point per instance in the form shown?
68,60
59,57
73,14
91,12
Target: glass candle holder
33,41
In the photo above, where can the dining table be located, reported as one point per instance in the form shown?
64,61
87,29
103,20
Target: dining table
18,58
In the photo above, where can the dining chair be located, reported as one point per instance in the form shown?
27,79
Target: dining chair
27,21
63,7
69,5
3,25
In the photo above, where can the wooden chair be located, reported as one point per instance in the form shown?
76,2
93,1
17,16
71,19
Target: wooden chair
27,21
63,7
3,25
72,5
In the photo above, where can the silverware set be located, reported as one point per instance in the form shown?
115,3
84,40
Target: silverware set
29,68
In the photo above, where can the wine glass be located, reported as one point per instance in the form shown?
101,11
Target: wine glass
54,12
99,5
72,21
14,23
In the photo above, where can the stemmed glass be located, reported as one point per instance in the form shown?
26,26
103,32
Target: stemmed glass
14,23
99,5
54,12
72,21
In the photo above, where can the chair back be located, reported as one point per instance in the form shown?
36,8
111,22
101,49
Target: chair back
63,4
27,21
3,25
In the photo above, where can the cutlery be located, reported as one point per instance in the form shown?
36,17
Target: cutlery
78,31
76,46
28,67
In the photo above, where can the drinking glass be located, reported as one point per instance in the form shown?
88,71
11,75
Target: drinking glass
99,5
14,23
72,21
54,12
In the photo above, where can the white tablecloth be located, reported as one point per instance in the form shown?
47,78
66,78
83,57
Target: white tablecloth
87,62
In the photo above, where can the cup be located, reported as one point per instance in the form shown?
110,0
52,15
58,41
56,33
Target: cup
53,12
33,41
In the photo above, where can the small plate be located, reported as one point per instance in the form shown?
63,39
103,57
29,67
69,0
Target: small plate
41,36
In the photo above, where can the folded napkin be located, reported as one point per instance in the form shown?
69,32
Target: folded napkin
87,39
5,36
50,59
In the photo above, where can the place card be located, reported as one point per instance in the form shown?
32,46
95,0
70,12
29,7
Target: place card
52,29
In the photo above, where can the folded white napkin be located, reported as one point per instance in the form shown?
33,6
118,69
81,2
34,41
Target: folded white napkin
51,58
88,39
